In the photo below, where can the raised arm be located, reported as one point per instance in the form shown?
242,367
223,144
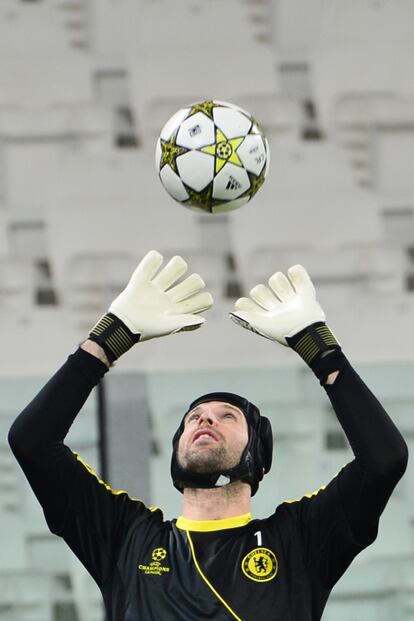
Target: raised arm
342,518
150,306
287,311
381,454
74,500
36,436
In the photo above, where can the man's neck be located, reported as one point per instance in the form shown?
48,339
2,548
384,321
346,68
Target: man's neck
217,503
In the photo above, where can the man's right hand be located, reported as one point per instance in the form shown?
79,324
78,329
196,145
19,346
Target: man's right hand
152,305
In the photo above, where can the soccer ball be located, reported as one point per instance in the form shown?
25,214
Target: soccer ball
212,156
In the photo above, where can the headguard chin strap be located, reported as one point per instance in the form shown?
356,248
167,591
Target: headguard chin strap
255,460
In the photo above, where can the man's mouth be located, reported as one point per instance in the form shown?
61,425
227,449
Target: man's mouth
204,435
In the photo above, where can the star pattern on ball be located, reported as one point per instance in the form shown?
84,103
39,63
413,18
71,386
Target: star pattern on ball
224,150
256,182
170,150
203,200
206,107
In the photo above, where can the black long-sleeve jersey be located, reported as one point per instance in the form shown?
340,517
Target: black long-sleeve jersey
150,569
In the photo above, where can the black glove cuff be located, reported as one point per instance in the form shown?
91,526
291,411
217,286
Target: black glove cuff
323,365
113,336
319,349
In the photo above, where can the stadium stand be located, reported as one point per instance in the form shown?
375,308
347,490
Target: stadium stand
84,228
4,242
380,68
16,286
85,87
42,79
190,80
311,191
79,125
31,27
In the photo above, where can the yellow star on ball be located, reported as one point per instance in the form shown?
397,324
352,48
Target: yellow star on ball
224,150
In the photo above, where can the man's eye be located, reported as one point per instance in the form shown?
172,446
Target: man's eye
229,415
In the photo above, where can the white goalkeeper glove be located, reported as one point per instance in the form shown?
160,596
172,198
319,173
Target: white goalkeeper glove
287,311
150,306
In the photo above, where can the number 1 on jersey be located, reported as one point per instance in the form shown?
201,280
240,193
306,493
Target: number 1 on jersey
258,534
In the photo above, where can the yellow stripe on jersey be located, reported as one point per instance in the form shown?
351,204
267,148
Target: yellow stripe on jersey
116,492
307,495
207,581
203,526
316,492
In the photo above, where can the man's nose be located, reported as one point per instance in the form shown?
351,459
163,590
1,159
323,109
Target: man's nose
207,417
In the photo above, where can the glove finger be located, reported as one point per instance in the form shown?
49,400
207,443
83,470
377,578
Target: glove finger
246,304
189,322
147,267
175,268
264,297
195,304
300,279
281,286
242,319
189,286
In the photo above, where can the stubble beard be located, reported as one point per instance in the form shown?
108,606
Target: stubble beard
214,459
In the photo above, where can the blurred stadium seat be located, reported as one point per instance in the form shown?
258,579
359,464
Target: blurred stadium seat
93,280
173,83
32,27
311,191
26,596
17,286
377,130
112,176
83,125
45,79
4,241
226,24
299,26
280,115
10,497
28,168
13,543
87,597
382,68
98,207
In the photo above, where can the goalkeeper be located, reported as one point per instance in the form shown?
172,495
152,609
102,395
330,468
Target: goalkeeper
215,561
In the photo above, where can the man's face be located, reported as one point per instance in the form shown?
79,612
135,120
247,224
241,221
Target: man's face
214,437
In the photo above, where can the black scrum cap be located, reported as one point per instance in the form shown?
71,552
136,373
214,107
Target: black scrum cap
256,458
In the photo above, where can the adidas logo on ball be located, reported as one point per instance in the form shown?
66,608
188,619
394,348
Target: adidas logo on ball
233,184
